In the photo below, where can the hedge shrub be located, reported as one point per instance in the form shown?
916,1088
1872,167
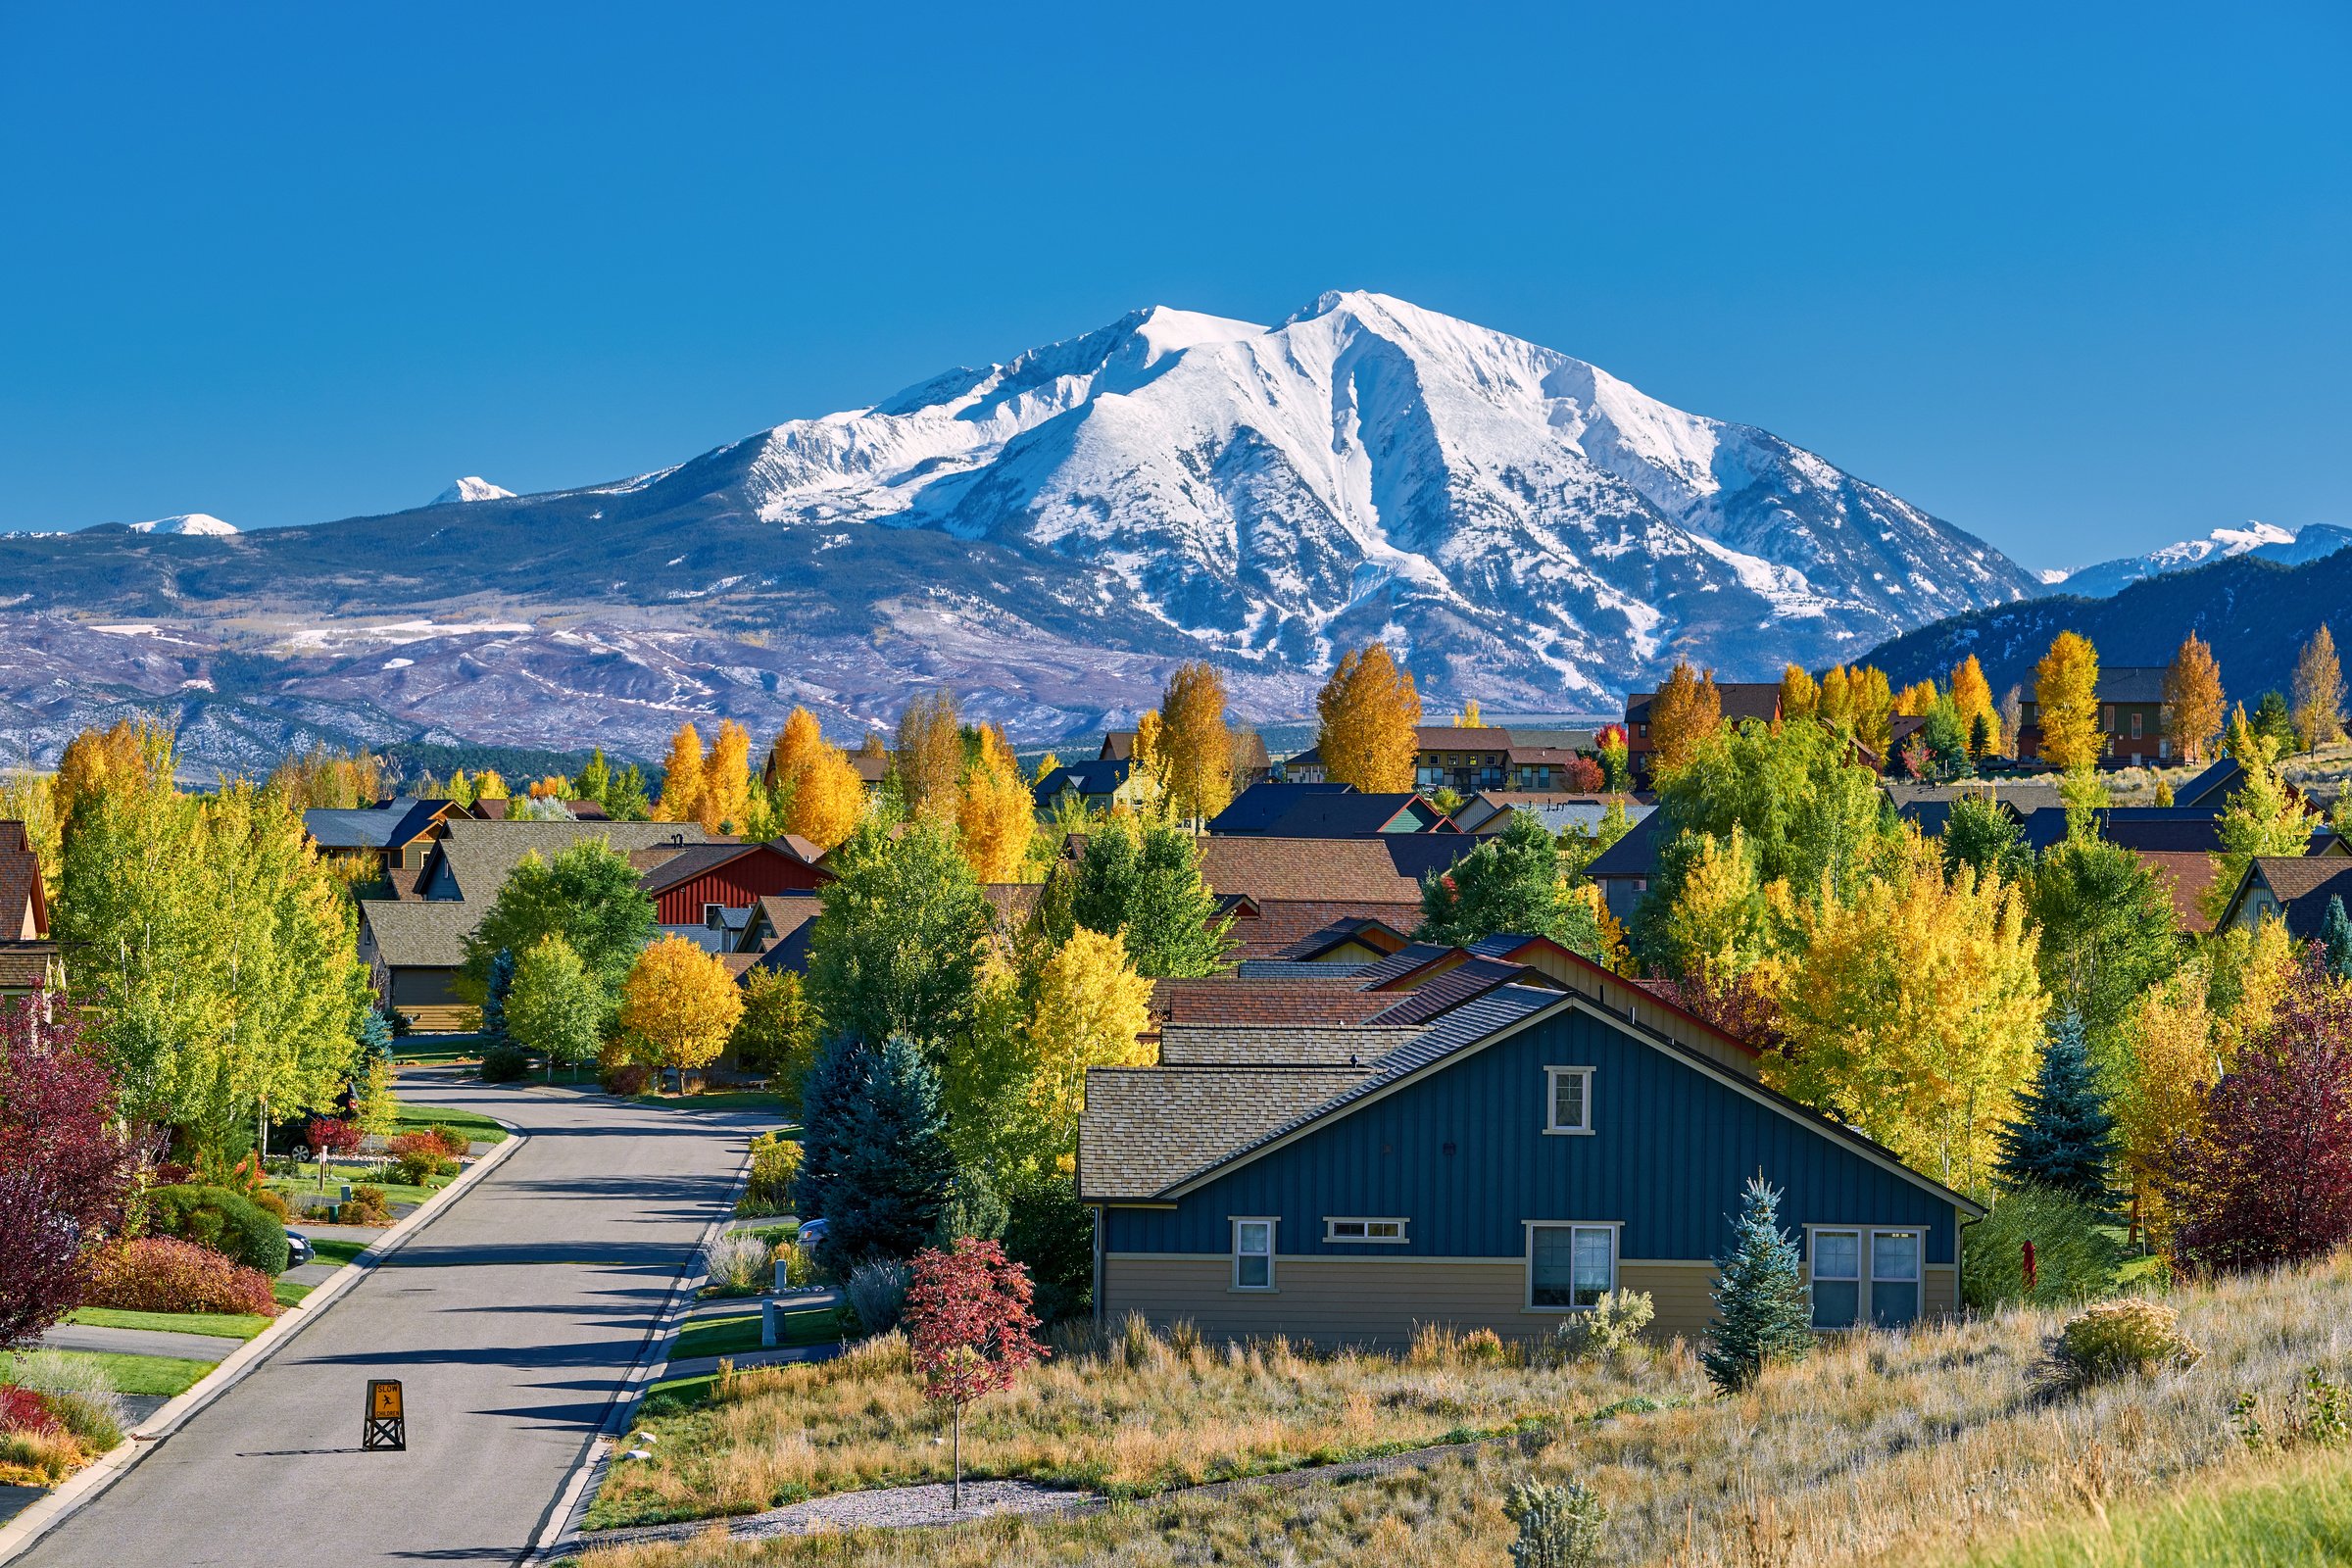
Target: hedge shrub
229,1223
163,1274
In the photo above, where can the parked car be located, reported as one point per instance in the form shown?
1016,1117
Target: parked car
810,1233
299,1250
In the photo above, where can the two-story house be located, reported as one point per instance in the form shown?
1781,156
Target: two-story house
2131,712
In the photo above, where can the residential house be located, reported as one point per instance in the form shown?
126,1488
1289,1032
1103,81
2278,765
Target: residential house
2294,888
1258,808
1281,891
1327,812
1250,764
1498,1147
29,960
1461,759
1304,768
1930,806
1491,811
2131,700
1623,871
1758,699
413,946
389,839
708,893
1099,784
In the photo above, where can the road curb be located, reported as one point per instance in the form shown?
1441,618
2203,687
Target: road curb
20,1533
587,1477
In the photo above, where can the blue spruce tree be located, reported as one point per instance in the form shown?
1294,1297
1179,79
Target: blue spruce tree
494,1000
892,1170
2336,939
1762,1314
835,1085
2063,1137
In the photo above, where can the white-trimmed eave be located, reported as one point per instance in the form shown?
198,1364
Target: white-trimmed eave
1810,1120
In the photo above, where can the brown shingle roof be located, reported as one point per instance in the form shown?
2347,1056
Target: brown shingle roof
25,966
420,933
1199,1045
22,900
2186,875
2303,884
1455,738
1325,870
1273,1005
1147,1128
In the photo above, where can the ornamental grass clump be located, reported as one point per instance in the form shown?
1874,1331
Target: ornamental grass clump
2130,1337
738,1261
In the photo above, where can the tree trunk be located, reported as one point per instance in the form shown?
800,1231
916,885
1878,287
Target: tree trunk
956,1489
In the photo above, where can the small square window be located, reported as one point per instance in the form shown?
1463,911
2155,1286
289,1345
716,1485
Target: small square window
1568,1099
1570,1266
1253,1254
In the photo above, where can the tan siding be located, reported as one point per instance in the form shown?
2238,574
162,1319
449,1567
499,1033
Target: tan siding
442,1019
1939,1291
1678,1291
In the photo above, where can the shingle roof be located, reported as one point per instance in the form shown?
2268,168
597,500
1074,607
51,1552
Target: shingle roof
696,859
1455,738
1094,776
20,892
1364,870
482,854
2213,786
1197,1045
1281,923
1464,982
1365,930
1739,699
25,966
1279,1004
1147,1128
364,827
421,933
2303,884
1299,971
1321,813
1403,961
1257,808
2186,877
1634,854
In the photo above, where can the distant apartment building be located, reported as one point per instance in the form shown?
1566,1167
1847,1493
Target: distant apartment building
2131,716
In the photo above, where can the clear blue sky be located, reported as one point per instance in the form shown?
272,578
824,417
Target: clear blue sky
2074,278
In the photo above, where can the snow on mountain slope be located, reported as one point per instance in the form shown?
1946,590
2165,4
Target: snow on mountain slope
188,523
1372,468
474,487
2287,547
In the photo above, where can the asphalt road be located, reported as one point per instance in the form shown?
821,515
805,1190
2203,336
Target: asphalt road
510,1319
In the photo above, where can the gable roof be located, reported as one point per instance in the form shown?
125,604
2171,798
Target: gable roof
1364,930
2186,875
387,824
1268,928
1359,1047
1634,854
2302,884
1147,1128
1384,869
1489,810
1751,699
1453,989
2214,786
1227,1003
1257,808
1459,738
22,900
1325,814
694,860
1091,778
420,933
481,854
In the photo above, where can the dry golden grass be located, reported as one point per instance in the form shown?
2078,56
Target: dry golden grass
1882,1449
1133,1414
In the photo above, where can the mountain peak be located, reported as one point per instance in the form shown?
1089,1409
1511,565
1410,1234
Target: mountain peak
474,487
201,524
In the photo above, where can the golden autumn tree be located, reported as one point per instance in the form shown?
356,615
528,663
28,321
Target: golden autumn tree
726,800
1470,718
794,744
1914,700
1720,924
2319,692
551,787
995,815
1874,710
2192,700
682,1003
1195,741
94,757
2065,693
1914,1012
823,797
490,785
1091,1010
1972,696
1800,697
1686,710
1835,703
1369,709
681,778
930,755
2158,1097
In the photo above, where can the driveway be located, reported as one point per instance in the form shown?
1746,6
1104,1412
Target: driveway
510,1318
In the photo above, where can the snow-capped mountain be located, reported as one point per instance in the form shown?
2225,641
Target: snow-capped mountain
1051,536
2289,547
474,487
188,523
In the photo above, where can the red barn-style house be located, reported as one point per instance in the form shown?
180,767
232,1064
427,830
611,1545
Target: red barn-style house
708,891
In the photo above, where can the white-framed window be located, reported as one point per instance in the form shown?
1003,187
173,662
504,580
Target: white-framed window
1570,1264
714,915
1865,1275
1363,1229
1567,1099
1253,1254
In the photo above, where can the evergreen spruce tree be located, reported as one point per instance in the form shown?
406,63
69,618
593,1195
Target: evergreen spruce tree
892,1168
2336,939
835,1085
494,997
2063,1135
1762,1313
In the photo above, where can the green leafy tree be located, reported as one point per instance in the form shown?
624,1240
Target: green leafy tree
898,949
2262,817
1511,882
595,779
776,1036
1761,1312
1980,835
629,797
1945,737
2108,933
556,1008
892,1167
2062,1136
1144,883
2074,1259
2275,722
589,895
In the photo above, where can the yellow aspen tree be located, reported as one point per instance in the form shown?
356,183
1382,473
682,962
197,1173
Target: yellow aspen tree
995,815
91,759
1686,710
2319,692
2160,1099
1800,698
1916,1011
1914,700
1718,926
1874,710
1971,695
1837,704
1091,1010
828,799
553,787
682,1003
1197,742
799,741
682,778
489,785
1368,712
2066,691
930,755
1471,718
2250,975
2263,818
727,802
2192,700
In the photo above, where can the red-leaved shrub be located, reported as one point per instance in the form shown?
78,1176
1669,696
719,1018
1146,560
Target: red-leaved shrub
24,1410
626,1078
330,1134
162,1274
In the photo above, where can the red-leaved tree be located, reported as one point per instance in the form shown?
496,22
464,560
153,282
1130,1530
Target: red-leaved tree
65,1169
328,1134
968,1322
2270,1181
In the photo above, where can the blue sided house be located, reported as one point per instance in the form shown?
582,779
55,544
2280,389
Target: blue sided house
1524,1151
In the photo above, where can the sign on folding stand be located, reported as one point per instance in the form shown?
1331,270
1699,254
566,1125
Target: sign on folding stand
387,1422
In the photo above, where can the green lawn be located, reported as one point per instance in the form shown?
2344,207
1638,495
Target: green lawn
733,1335
136,1374
226,1325
2291,1513
408,1118
302,1191
288,1292
336,1248
436,1050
